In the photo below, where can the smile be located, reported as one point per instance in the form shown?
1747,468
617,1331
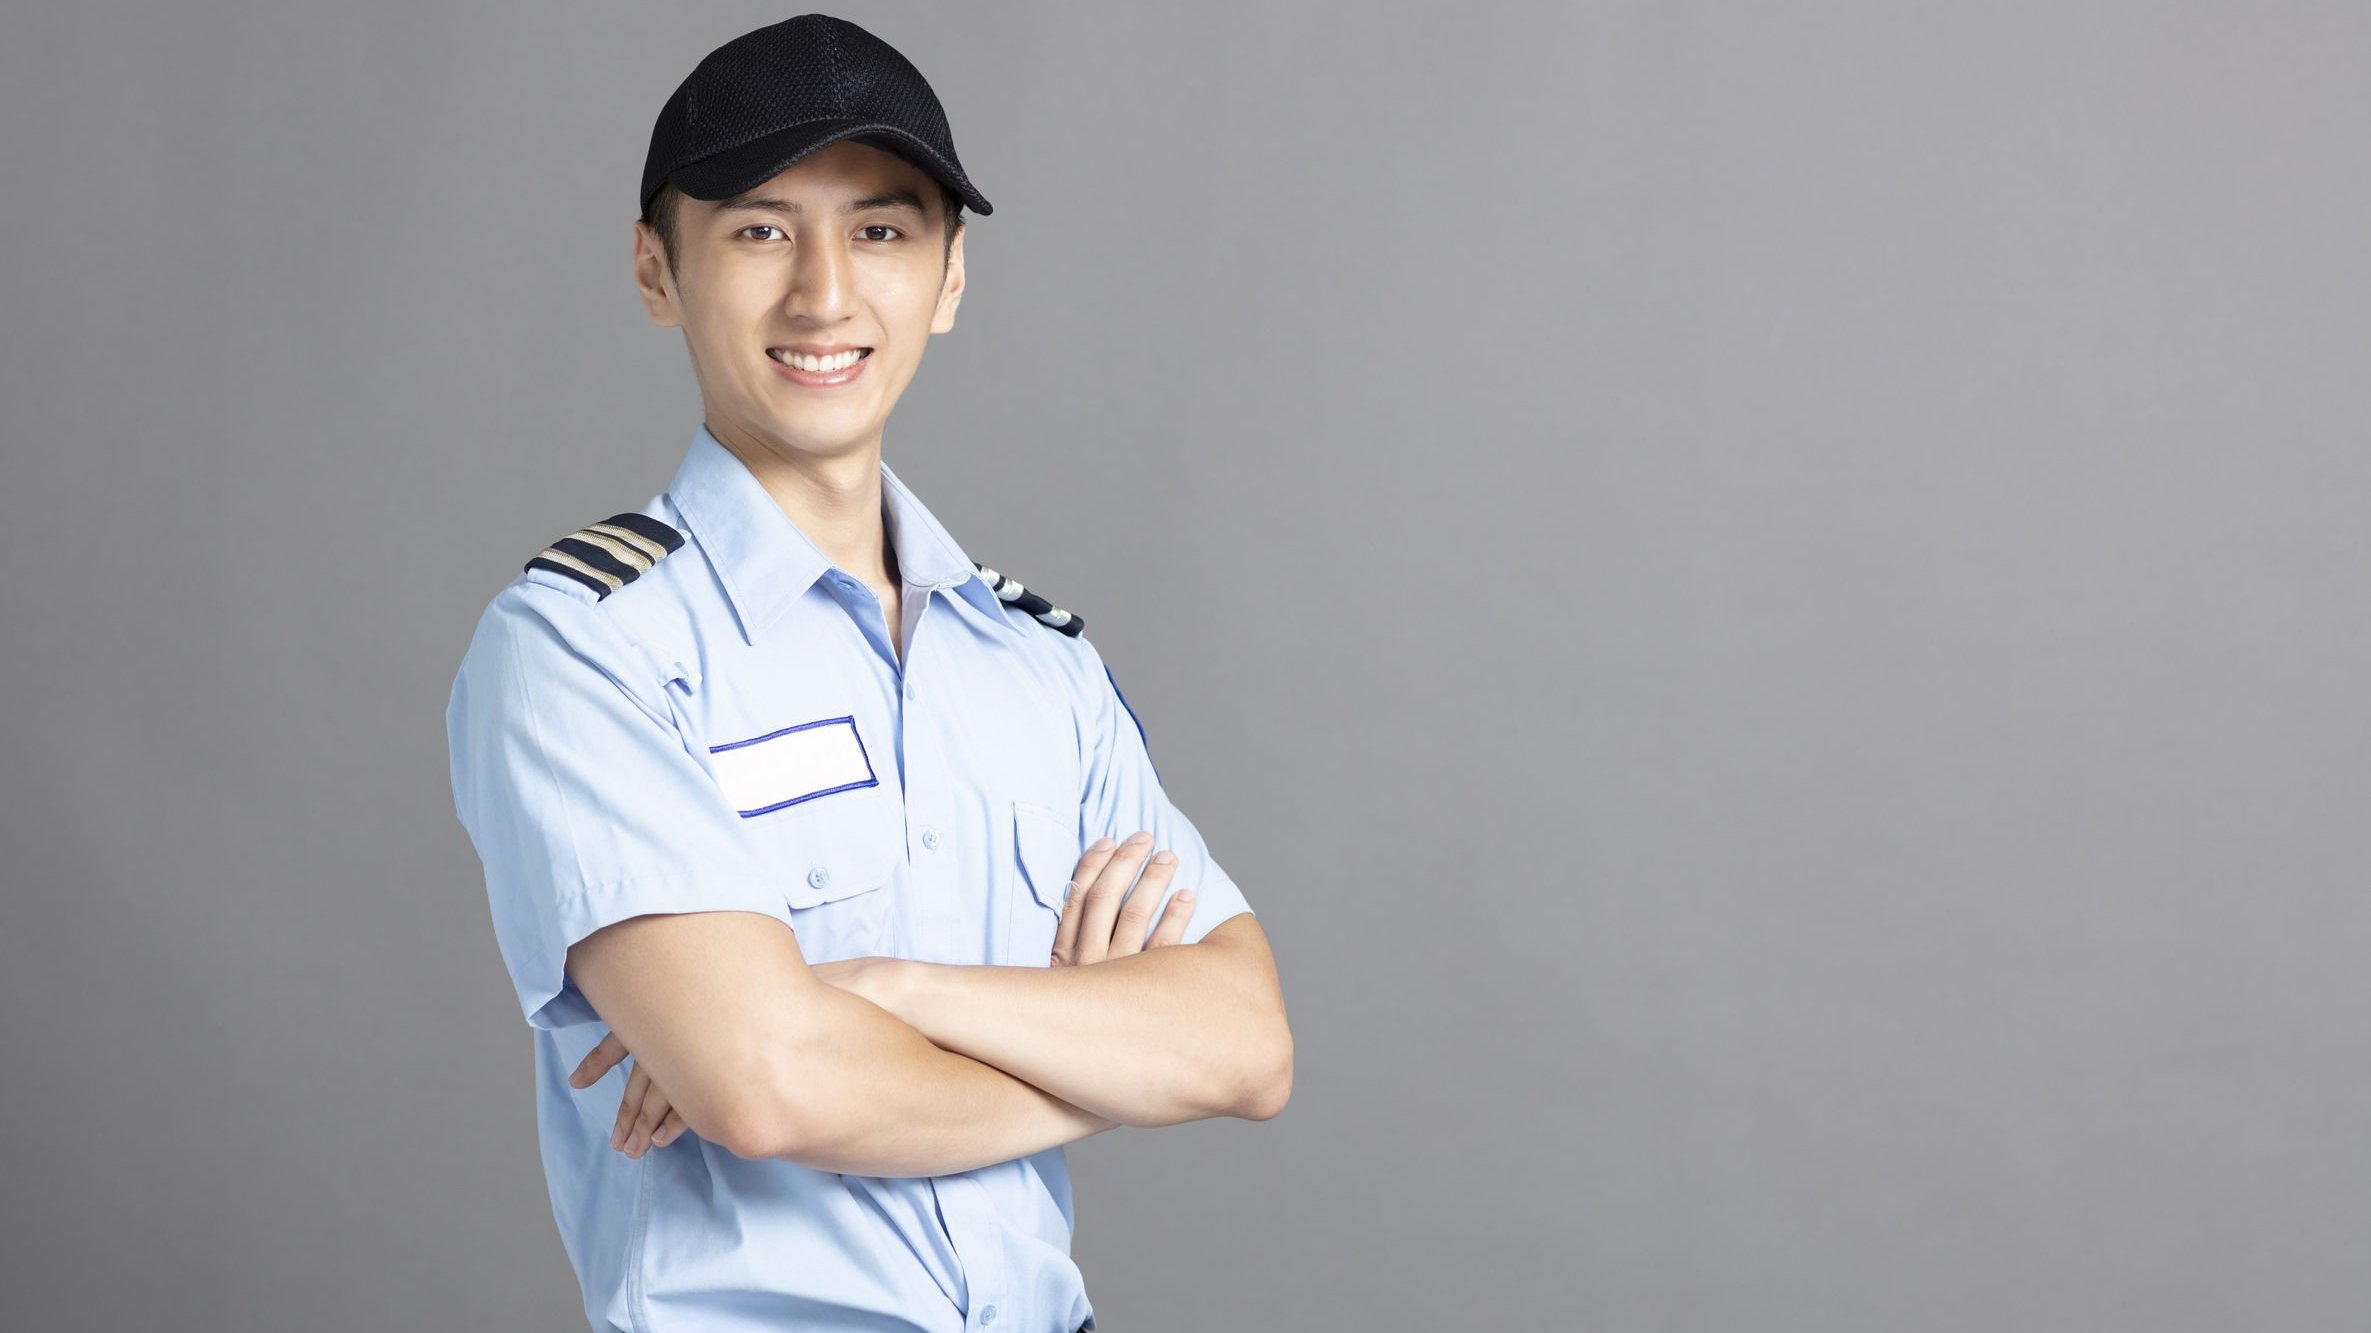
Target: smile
836,361
819,371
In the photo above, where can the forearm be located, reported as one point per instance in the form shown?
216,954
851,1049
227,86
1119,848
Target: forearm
900,1106
1154,1038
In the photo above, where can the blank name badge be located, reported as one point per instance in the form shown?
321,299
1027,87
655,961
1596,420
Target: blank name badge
781,768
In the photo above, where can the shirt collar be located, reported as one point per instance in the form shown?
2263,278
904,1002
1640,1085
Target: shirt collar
767,562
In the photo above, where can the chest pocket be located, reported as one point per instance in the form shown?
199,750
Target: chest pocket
837,856
1045,849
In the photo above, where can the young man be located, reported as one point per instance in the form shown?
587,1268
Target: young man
830,827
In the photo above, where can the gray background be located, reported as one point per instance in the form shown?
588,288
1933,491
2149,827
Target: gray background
1771,609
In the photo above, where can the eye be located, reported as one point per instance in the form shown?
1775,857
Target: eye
881,226
757,226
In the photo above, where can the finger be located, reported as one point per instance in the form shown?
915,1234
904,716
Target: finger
1065,933
1173,919
1127,933
1103,896
1066,930
1074,900
648,1119
628,1105
670,1129
598,1061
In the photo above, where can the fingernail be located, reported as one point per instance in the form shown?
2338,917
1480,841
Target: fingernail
1140,835
1185,895
1164,858
1100,845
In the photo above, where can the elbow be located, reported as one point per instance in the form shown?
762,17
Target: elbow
776,1130
756,1133
760,1119
1270,1087
750,1126
771,1108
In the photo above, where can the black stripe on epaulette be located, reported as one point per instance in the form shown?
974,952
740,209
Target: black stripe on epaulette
626,569
610,554
646,526
1011,590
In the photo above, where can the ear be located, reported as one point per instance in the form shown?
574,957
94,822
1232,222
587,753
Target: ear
951,289
653,278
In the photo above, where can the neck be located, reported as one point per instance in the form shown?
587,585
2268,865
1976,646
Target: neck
834,499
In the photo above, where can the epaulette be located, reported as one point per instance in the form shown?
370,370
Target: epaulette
608,555
1010,590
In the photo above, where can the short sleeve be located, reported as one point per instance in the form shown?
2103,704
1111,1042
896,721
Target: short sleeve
581,793
1123,794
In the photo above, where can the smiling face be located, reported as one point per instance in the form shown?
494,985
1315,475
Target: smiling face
845,252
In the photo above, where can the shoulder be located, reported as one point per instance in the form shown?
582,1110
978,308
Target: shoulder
563,607
1053,633
1018,596
605,557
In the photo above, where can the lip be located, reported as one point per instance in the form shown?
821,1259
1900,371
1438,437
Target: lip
827,380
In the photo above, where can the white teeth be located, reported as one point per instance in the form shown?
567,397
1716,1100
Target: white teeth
819,363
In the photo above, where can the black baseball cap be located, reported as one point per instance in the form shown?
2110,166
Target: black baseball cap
765,99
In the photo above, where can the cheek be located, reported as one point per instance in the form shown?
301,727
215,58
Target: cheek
915,318
711,331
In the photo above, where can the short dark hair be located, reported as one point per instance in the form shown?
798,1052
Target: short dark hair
664,207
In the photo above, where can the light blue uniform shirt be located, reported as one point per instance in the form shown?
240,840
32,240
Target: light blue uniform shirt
732,729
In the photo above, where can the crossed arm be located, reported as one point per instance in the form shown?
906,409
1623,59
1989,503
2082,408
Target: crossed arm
895,1067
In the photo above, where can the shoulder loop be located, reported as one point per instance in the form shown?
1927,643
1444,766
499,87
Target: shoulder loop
1010,590
608,555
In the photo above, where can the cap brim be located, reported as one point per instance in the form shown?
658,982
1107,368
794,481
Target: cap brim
723,175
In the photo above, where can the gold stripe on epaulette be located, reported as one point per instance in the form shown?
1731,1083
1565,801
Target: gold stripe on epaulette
562,557
630,555
649,548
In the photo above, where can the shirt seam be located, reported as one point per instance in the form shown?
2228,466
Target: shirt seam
637,1283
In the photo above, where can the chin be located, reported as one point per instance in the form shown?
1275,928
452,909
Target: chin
811,436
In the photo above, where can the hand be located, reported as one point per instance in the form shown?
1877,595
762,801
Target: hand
645,1118
1095,925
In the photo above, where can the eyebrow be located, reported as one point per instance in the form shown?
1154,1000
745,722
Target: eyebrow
884,199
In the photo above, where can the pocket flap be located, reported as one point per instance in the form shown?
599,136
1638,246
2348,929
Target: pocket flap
1048,847
834,847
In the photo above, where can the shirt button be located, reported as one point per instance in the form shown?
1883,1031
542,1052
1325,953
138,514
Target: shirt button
819,877
987,1314
909,687
930,838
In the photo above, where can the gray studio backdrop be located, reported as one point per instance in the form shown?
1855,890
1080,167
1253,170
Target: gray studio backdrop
1771,608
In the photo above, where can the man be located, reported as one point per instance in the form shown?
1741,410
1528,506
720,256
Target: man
828,826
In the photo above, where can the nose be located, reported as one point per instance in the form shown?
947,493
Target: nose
822,280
